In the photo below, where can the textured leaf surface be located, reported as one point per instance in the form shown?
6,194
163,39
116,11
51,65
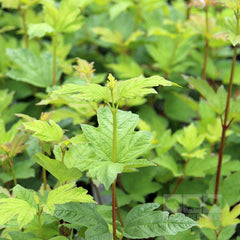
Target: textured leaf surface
190,140
145,221
128,89
21,236
216,101
130,144
66,18
65,194
57,169
39,30
24,194
230,217
33,70
85,215
45,130
9,207
140,86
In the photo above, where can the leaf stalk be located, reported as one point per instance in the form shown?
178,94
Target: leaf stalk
206,45
225,124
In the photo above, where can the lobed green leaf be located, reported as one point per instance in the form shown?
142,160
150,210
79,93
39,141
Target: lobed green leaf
144,221
45,130
64,194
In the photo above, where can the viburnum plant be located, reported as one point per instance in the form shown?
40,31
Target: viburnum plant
103,152
86,156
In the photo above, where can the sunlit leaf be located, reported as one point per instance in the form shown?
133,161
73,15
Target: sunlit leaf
64,194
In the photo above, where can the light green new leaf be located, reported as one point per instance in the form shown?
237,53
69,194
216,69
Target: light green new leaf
5,99
33,70
85,215
164,48
109,36
206,222
24,194
45,130
190,140
144,221
66,18
126,67
76,156
39,30
118,8
216,101
64,194
105,171
230,217
89,92
167,161
10,3
9,207
130,145
57,169
128,89
140,86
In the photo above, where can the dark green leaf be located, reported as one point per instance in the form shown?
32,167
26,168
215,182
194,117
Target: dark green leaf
85,215
145,221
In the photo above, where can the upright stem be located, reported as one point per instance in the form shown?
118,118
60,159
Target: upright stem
188,10
44,177
118,212
181,179
13,173
23,15
206,45
225,126
114,210
172,58
40,225
54,40
114,156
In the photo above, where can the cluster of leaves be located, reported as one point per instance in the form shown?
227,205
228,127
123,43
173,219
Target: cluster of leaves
150,144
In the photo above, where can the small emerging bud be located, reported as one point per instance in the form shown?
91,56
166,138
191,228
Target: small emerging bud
85,69
36,199
111,81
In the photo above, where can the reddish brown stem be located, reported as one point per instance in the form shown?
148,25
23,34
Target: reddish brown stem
118,213
225,126
114,210
181,179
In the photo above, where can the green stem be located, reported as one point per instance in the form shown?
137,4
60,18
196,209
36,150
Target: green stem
71,236
172,58
44,177
206,45
181,179
13,173
188,10
40,225
114,157
54,41
23,15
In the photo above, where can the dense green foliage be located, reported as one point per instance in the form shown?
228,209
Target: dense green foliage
138,98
